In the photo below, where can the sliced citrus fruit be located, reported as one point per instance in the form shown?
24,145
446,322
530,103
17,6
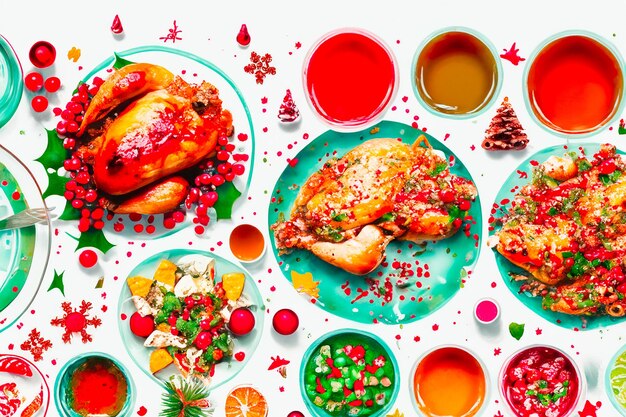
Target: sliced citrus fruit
245,401
166,273
233,283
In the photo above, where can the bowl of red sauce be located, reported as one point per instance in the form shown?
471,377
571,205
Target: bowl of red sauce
541,381
350,78
94,383
574,84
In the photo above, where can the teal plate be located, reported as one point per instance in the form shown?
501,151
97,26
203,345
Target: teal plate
431,275
11,83
192,69
614,391
516,180
20,277
224,371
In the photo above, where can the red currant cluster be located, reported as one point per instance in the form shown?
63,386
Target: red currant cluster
213,173
72,116
80,190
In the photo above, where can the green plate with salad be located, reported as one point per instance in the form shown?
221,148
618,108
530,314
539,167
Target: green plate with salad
349,372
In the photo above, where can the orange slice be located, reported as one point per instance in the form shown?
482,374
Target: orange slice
245,401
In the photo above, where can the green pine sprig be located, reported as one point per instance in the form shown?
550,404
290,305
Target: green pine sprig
185,398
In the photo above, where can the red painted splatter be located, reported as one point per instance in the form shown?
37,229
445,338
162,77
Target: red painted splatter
243,37
590,410
240,356
142,411
36,345
538,331
497,351
277,362
512,56
522,174
172,35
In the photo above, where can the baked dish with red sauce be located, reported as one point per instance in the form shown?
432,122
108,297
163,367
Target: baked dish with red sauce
567,230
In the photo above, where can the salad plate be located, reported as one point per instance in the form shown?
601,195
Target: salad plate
201,339
414,279
24,252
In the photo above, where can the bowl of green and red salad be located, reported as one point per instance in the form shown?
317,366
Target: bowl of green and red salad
349,373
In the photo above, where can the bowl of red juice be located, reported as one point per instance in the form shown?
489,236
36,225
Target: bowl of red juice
94,383
541,381
350,78
574,84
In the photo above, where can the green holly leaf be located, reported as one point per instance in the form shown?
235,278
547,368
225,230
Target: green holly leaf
56,184
57,282
516,330
69,212
55,153
228,194
120,62
93,239
621,130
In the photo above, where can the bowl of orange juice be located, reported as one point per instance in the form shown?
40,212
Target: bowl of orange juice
449,380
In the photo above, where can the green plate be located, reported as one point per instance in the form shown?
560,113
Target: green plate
140,354
438,268
514,181
11,83
20,277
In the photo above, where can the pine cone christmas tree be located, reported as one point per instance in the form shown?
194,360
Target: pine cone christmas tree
505,132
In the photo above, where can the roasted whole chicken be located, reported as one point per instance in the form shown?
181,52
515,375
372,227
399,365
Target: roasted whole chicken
347,212
142,129
567,230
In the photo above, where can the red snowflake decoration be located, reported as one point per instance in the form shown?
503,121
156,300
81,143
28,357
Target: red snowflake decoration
260,66
172,35
75,321
36,345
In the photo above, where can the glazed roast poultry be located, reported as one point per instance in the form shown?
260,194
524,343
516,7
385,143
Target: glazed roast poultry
347,212
142,128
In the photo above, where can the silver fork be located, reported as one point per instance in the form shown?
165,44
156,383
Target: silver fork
25,218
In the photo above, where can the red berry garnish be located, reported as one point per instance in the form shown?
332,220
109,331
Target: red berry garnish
241,322
52,84
295,414
141,326
33,81
285,321
465,205
42,54
203,340
243,37
39,103
88,258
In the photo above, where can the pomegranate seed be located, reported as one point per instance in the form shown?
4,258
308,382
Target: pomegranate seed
238,169
199,230
223,155
39,103
99,225
69,196
77,204
82,177
70,185
91,196
69,143
243,37
52,84
205,179
178,216
33,81
169,223
217,180
229,176
97,214
222,141
201,210
72,127
224,168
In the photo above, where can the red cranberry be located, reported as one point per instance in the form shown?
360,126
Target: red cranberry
33,81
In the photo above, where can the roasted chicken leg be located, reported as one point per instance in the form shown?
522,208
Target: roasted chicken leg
349,211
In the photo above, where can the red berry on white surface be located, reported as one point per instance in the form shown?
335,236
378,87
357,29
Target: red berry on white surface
241,322
285,322
141,326
87,258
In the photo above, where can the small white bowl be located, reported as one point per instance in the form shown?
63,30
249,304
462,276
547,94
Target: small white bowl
486,300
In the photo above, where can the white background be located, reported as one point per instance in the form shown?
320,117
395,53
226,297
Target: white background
209,30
